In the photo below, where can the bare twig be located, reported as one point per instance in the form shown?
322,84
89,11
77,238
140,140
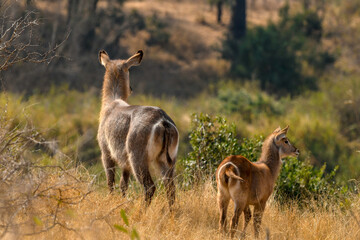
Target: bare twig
17,42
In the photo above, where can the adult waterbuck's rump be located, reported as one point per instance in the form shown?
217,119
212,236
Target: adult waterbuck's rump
251,183
137,138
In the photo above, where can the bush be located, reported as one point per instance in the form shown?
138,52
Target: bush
136,21
60,121
212,139
34,187
250,106
299,181
157,29
285,57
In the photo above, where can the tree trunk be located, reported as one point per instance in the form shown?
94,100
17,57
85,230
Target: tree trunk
238,20
73,9
81,20
78,9
219,10
306,4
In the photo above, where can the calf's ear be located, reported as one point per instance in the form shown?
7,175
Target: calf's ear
282,133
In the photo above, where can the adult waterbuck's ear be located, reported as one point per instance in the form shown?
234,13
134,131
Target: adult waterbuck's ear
103,57
282,133
134,60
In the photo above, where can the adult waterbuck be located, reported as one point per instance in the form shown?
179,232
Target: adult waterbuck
142,140
251,183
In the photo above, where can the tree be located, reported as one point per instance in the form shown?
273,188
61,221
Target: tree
306,4
81,20
275,54
238,20
17,41
219,6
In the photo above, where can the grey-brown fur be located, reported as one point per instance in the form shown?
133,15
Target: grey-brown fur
134,137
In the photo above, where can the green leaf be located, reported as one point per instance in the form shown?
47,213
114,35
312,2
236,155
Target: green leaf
121,228
134,234
37,221
124,217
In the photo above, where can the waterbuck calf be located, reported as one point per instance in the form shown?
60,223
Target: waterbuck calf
251,183
142,140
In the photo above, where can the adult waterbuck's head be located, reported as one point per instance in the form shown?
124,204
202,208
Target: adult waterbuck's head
116,80
142,140
251,183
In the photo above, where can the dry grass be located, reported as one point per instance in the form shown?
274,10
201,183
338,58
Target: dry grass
195,216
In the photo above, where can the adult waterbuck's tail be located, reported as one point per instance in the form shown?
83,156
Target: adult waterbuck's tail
142,140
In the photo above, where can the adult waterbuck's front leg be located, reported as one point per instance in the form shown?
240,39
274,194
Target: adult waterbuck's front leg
124,181
109,166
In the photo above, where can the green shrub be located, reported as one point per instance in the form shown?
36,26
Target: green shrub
301,182
250,106
286,57
157,29
345,96
251,148
212,139
136,21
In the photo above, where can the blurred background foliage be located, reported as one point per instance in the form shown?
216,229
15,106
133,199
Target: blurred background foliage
297,65
286,57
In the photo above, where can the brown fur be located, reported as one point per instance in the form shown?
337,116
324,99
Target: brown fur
137,138
256,183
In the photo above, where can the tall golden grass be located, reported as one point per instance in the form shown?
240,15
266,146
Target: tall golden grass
194,216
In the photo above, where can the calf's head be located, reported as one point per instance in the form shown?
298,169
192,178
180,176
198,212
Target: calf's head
281,141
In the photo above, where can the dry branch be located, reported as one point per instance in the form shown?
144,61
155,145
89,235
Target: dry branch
26,184
17,41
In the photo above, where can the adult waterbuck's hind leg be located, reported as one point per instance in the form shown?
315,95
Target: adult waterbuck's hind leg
166,136
109,166
142,174
168,179
149,185
124,181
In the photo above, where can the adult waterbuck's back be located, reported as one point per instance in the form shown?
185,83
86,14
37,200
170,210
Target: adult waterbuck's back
137,138
251,183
